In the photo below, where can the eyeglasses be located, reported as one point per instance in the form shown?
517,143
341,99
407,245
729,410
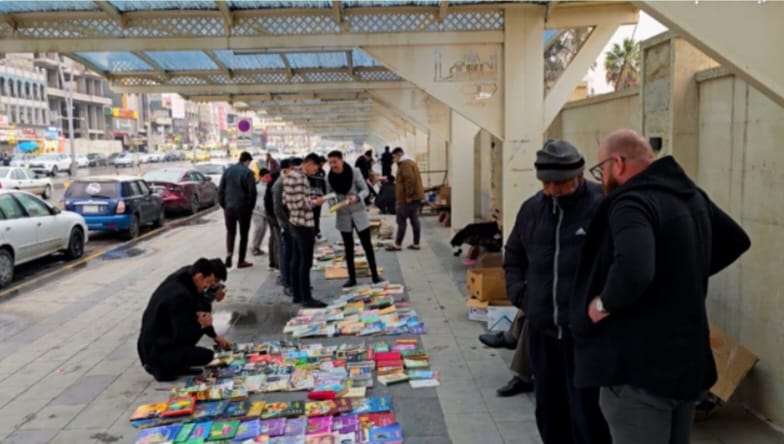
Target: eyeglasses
597,172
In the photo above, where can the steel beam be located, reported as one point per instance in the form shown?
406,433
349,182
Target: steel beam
567,15
225,69
153,64
226,14
231,90
112,12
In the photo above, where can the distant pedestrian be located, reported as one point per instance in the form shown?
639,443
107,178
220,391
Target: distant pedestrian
237,196
365,165
297,199
271,164
347,183
259,213
281,214
318,188
409,193
638,317
386,162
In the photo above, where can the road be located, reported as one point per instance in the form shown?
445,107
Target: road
98,241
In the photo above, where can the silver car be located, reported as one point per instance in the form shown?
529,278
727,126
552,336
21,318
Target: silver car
24,179
30,229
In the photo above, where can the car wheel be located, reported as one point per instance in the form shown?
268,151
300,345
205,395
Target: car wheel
75,244
161,218
54,170
134,229
194,204
6,268
47,192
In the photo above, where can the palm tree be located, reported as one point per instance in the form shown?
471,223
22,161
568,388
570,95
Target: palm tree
622,64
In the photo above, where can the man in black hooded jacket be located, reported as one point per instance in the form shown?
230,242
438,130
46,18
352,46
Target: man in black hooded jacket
540,261
639,317
176,317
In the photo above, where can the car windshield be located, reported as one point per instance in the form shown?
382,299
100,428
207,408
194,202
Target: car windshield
4,171
211,168
163,176
87,189
48,157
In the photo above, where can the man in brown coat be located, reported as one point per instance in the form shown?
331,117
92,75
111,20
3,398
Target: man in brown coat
409,193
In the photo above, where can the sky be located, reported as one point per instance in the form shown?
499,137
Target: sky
646,28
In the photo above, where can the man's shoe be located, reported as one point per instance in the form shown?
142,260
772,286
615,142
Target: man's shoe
314,303
244,264
378,280
515,387
228,261
256,252
497,340
350,283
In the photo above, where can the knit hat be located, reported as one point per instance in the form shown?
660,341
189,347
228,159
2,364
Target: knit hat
558,161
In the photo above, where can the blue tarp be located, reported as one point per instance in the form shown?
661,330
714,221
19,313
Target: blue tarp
27,146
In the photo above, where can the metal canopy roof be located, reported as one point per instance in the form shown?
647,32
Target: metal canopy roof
257,52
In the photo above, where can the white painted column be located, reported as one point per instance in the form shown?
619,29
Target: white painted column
483,174
461,171
437,160
523,107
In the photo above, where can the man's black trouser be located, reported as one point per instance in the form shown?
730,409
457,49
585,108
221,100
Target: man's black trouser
564,413
234,216
302,262
367,245
274,242
170,363
406,212
317,220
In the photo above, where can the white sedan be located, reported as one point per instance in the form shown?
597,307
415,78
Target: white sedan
213,170
31,228
23,179
82,161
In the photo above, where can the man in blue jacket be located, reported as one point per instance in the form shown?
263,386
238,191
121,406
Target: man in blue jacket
540,261
639,318
237,196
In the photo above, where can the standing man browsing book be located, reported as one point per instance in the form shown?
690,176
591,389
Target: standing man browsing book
349,186
175,319
237,196
409,193
297,199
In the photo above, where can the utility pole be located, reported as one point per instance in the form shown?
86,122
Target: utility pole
69,111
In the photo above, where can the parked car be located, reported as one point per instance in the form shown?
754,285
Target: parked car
126,160
31,228
122,204
23,179
213,170
97,160
51,163
183,189
22,160
82,161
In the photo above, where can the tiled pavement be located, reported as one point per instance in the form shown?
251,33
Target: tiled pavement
69,371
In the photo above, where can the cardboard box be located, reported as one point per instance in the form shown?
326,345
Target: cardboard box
444,197
500,317
478,310
486,284
490,260
733,363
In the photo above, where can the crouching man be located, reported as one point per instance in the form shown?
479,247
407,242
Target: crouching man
176,317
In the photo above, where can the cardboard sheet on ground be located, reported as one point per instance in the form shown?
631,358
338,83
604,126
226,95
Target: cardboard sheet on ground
341,272
733,363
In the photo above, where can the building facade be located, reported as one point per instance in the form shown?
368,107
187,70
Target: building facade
24,109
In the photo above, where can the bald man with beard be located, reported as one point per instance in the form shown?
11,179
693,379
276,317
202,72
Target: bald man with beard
639,319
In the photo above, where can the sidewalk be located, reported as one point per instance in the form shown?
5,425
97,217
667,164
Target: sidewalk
69,370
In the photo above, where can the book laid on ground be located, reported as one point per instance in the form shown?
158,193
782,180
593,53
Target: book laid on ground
393,378
158,434
273,427
181,406
390,434
296,427
319,424
372,405
322,438
148,411
223,430
248,429
201,431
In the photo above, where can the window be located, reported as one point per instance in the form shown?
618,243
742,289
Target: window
135,190
10,208
196,176
33,206
18,175
29,174
93,189
144,188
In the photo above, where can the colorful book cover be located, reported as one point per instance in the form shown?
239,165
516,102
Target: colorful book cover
209,410
370,420
294,409
223,430
356,392
180,407
386,435
393,378
256,409
296,426
345,424
259,439
348,438
288,440
254,383
237,409
274,410
273,427
185,432
302,379
372,405
424,383
421,374
158,434
319,424
322,438
342,406
193,441
416,363
148,411
387,356
237,394
201,430
319,408
248,429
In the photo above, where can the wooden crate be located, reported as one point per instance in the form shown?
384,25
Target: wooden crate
486,284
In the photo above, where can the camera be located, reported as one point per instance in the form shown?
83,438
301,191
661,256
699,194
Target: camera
212,292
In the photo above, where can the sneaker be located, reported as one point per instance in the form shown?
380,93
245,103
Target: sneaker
244,264
314,303
228,261
350,283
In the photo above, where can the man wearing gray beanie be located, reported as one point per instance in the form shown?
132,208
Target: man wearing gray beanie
540,260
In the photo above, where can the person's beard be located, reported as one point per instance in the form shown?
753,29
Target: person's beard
610,184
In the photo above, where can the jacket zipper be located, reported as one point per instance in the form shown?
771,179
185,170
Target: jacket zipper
557,209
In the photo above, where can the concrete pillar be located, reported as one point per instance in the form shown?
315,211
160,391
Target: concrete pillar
461,171
437,160
482,176
523,107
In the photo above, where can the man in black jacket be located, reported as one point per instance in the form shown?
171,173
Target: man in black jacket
237,196
176,317
540,260
272,222
639,317
386,162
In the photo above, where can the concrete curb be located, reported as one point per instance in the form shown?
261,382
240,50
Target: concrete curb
38,280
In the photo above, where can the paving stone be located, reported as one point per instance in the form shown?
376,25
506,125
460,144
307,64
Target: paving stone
17,413
81,436
111,366
31,437
472,429
519,432
53,417
84,390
